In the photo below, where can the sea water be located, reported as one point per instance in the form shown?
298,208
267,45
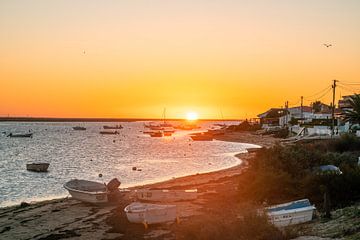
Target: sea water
86,154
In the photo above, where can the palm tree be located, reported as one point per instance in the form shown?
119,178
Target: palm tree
353,115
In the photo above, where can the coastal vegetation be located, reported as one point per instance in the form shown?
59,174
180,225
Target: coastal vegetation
283,173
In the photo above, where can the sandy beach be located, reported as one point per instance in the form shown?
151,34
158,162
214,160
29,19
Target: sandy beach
70,219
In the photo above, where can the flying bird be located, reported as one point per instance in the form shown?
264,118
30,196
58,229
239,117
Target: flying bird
327,45
84,52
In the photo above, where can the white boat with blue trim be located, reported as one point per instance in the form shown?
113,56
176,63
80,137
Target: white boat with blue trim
291,213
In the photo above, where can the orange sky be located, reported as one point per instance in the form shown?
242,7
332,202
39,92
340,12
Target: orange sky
238,57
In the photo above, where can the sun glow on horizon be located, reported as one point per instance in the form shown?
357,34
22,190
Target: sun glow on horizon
191,116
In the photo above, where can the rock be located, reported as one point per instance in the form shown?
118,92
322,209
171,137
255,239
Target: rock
24,204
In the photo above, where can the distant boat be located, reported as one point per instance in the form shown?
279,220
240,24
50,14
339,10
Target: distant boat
20,135
147,213
78,128
109,132
291,213
166,195
113,127
202,137
37,167
156,134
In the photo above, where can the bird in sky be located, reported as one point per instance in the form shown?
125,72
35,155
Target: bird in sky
84,52
327,45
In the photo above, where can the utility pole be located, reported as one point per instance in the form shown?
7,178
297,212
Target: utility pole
333,108
301,108
286,112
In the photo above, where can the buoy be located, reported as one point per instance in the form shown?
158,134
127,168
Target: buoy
100,175
114,141
134,168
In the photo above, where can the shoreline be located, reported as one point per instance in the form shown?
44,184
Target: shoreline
149,184
66,217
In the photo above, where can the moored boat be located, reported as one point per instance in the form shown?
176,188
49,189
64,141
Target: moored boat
291,213
109,132
147,213
202,137
156,134
166,195
113,127
78,128
37,167
20,135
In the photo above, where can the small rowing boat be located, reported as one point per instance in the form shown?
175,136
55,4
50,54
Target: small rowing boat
147,213
37,167
20,135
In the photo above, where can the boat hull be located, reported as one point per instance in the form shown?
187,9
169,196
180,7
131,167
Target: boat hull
150,213
87,191
37,167
166,195
90,198
291,213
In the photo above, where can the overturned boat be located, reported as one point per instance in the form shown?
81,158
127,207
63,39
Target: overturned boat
37,167
202,137
92,192
291,213
147,213
166,195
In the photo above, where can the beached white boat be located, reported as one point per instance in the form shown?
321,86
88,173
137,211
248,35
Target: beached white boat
87,191
291,213
147,213
166,195
37,167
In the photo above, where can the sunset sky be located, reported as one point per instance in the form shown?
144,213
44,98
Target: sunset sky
133,58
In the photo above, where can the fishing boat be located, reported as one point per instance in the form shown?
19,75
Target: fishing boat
202,137
109,132
147,213
20,135
166,195
78,128
113,127
291,213
37,167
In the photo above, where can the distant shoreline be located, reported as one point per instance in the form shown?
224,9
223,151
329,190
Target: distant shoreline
46,119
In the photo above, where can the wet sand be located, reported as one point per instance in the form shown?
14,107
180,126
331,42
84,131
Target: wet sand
70,219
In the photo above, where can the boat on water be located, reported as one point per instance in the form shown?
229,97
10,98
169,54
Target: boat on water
202,137
92,192
79,128
37,167
291,213
156,134
158,195
147,213
109,132
113,127
20,135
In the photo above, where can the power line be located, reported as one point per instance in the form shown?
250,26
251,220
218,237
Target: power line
318,93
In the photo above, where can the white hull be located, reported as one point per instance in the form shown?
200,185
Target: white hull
90,198
150,213
292,218
283,215
166,195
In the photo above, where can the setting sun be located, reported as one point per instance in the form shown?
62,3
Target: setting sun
191,116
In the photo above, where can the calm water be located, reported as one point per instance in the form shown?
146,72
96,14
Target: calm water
85,154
